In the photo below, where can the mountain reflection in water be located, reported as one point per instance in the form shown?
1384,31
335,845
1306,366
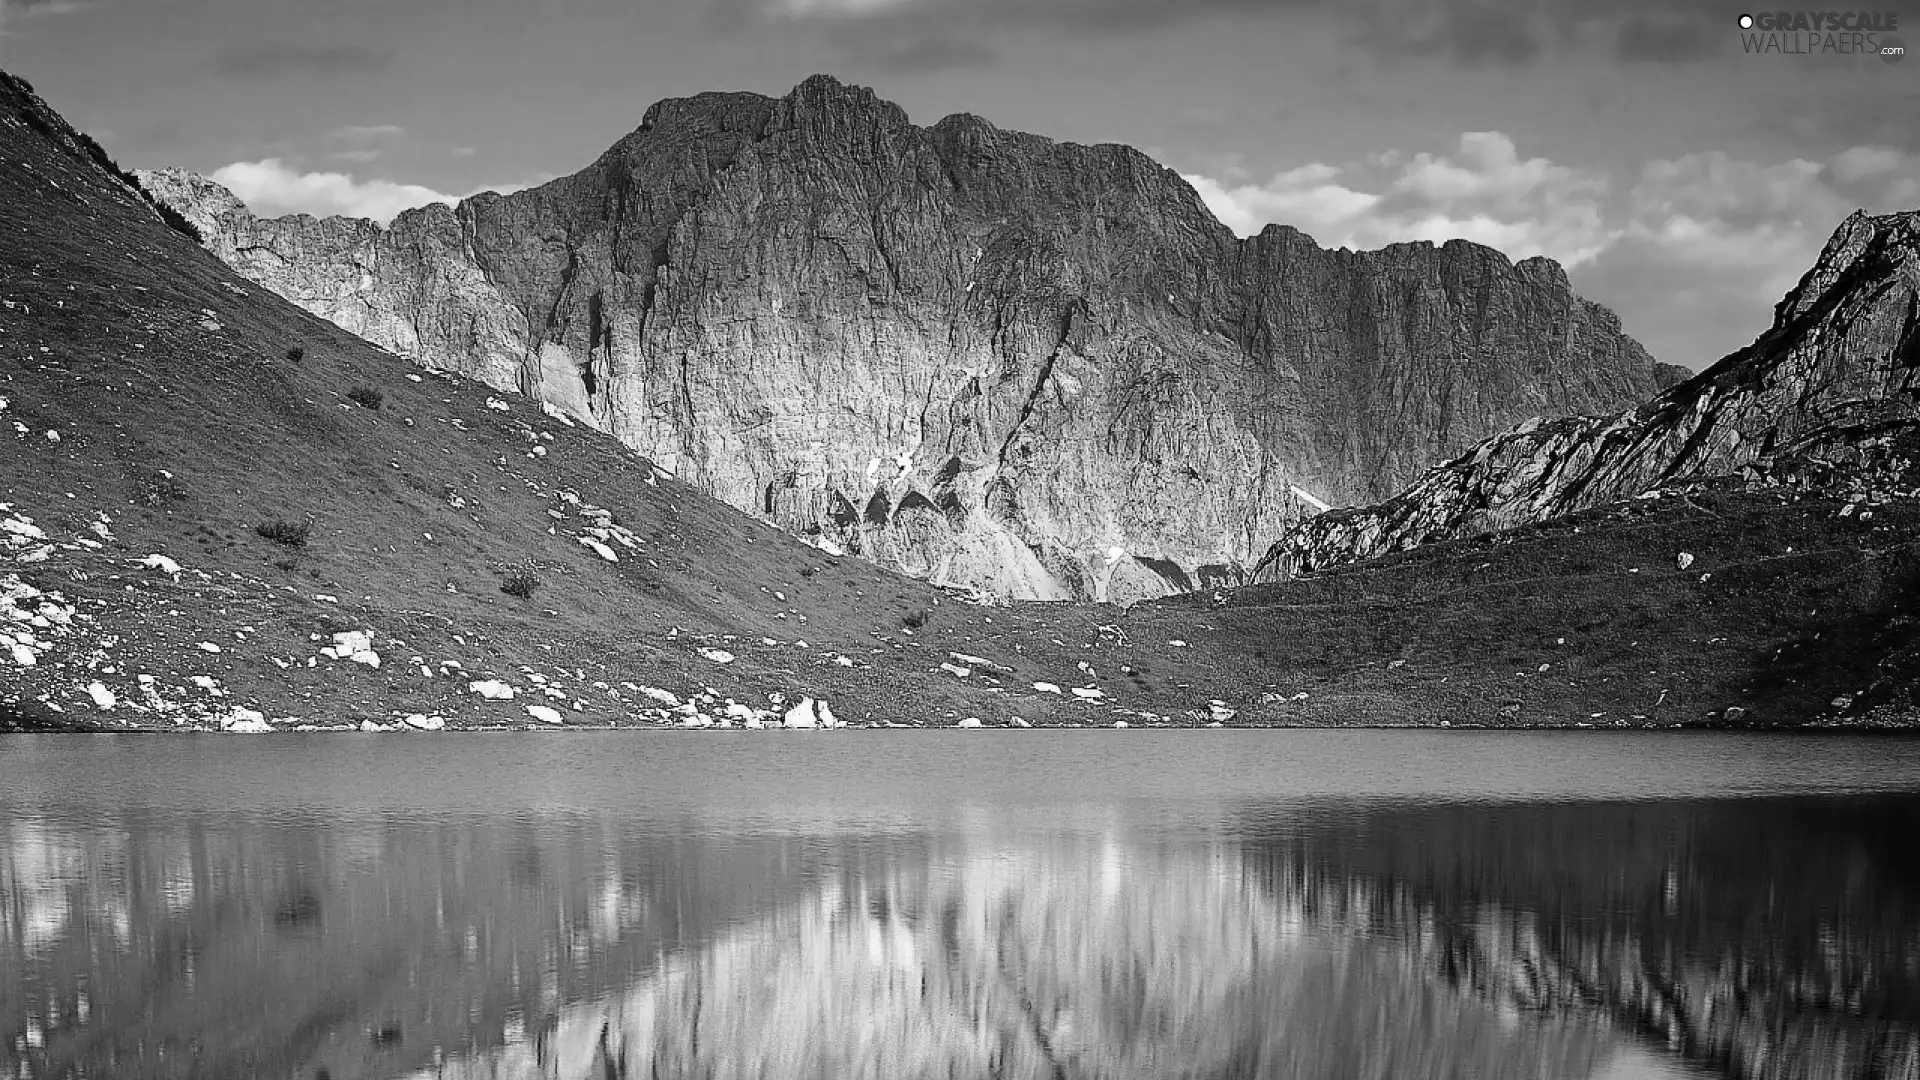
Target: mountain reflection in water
685,930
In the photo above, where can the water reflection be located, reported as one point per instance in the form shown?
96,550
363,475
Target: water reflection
1074,961
1203,935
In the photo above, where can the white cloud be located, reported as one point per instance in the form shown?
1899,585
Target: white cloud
1307,197
1878,176
1710,242
365,133
271,189
802,9
1483,191
27,9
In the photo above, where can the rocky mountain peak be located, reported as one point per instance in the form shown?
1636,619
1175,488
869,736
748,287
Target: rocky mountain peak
1035,368
1833,383
823,99
201,200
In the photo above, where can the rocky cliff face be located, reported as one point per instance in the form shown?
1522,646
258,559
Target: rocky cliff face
1831,385
1034,368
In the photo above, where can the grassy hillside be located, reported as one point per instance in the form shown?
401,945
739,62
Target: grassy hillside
162,413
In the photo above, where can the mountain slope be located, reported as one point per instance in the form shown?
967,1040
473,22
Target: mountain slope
189,464
1834,384
201,486
970,354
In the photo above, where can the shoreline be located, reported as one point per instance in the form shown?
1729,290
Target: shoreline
1893,728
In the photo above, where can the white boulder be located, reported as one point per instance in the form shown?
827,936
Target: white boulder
810,714
348,642
801,715
244,721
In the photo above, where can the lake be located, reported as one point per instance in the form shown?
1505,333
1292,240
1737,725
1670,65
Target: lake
1007,904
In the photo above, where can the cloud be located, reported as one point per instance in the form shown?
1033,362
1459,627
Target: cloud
284,59
366,133
1712,242
1468,33
1837,119
27,9
271,189
857,9
17,11
983,23
1482,191
359,156
1666,41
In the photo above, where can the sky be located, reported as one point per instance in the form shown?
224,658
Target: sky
1683,180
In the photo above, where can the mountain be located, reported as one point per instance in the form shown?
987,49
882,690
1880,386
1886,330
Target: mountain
1832,386
220,512
1033,368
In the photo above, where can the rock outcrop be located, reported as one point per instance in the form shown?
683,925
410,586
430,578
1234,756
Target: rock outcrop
1037,369
1829,386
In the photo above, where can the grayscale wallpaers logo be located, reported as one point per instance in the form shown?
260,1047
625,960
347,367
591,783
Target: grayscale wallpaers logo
1807,33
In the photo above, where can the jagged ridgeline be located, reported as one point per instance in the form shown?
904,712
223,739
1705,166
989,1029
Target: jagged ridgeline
1035,368
1832,388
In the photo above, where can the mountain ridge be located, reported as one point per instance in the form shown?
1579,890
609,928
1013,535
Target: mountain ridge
1015,355
1829,385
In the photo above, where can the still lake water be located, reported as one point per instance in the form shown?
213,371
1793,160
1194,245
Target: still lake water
1049,904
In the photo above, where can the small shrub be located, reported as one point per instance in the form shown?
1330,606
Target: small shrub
153,487
174,219
365,396
297,353
917,618
289,533
99,154
519,584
